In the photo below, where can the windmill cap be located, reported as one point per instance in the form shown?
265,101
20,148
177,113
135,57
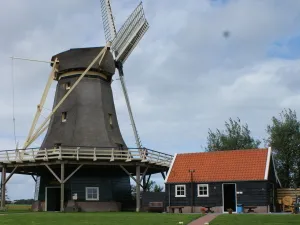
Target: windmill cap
80,59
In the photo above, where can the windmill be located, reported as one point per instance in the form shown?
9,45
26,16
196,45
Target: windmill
123,43
83,144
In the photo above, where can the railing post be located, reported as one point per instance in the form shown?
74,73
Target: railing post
95,157
60,154
46,154
32,155
112,158
77,153
158,158
7,156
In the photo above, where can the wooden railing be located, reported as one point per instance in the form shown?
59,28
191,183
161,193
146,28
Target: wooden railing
86,153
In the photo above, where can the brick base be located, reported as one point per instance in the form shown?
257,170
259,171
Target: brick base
217,209
99,206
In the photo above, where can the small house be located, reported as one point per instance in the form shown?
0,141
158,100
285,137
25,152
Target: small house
222,180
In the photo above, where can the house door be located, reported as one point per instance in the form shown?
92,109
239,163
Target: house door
229,197
52,199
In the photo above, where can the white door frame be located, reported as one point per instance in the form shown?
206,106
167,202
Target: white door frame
46,193
223,198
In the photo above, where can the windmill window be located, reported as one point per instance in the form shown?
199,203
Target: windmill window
67,85
110,119
63,117
180,191
92,193
57,145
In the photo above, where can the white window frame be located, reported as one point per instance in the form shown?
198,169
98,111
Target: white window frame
198,190
184,189
86,194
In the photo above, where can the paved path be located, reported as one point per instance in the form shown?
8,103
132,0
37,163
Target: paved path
204,219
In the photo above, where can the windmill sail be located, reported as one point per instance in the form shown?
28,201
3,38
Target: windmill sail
108,21
130,34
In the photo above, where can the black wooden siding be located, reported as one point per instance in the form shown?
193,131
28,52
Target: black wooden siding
254,193
112,186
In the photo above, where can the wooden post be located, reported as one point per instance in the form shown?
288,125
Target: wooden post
3,182
144,184
138,182
62,186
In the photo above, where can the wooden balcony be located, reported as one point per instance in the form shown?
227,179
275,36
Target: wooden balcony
86,154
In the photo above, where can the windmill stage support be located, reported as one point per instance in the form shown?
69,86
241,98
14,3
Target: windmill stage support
62,186
163,175
3,179
138,194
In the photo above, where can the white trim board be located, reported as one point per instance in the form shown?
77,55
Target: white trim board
170,169
268,163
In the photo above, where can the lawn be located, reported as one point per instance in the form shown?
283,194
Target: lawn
112,218
13,208
259,219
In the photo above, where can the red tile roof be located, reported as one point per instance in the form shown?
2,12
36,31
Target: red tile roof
233,165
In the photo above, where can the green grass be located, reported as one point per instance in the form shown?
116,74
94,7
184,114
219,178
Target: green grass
258,219
111,218
12,208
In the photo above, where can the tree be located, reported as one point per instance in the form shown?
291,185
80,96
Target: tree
236,136
284,138
151,187
158,188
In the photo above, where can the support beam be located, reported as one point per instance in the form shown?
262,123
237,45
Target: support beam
101,54
144,179
10,175
34,178
57,178
42,102
62,187
144,184
73,173
163,175
144,173
138,194
135,180
148,180
3,178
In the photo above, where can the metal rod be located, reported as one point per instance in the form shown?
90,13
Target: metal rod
33,60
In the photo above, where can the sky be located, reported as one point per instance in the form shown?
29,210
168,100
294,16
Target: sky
183,78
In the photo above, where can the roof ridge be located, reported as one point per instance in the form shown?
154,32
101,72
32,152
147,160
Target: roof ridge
222,151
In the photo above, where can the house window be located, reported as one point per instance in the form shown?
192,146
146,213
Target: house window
179,190
67,85
203,190
110,119
63,117
91,193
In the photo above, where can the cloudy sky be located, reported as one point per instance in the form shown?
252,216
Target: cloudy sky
183,78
